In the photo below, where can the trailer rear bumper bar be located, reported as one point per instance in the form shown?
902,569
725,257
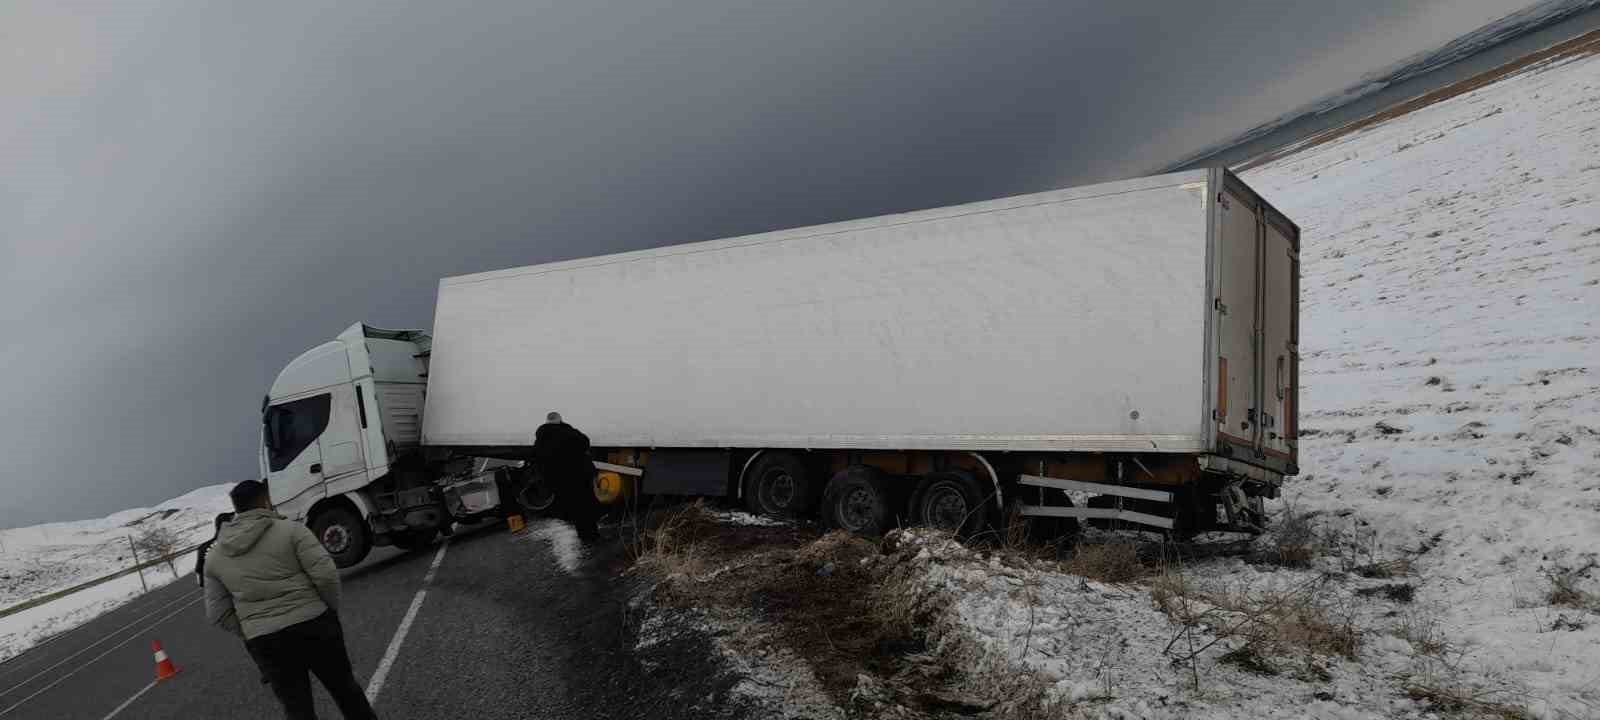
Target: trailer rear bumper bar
1164,523
1086,513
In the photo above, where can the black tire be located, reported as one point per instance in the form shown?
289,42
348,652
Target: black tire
413,539
537,498
951,501
857,500
342,534
778,485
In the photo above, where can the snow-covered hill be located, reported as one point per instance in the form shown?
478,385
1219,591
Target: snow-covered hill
1529,20
1451,340
42,559
45,558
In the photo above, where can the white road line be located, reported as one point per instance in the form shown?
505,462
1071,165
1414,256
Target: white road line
375,685
129,701
90,661
191,596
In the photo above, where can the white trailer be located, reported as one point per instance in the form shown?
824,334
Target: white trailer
1134,341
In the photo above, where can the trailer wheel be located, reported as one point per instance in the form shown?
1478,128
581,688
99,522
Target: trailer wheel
949,501
342,534
536,496
778,486
857,500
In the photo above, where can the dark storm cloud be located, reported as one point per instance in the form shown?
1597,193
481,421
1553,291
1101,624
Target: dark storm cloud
191,194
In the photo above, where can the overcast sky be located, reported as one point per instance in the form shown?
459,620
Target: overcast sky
193,193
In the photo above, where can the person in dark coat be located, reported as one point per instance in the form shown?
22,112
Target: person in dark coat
561,453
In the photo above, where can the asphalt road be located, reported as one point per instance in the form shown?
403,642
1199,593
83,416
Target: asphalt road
510,627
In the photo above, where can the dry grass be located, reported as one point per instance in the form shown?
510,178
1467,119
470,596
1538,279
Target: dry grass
1385,569
1115,561
1465,702
814,592
1565,588
1295,539
1259,627
876,637
674,536
1422,628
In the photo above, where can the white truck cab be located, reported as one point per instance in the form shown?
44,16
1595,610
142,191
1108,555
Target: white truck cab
337,419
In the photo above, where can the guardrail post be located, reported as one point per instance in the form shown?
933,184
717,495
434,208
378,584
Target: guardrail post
136,564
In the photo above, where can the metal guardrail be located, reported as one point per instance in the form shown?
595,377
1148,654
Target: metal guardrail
80,587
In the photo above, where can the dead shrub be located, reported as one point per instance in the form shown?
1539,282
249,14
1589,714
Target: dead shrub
1565,587
1423,630
1393,592
1304,620
1295,540
1112,562
837,547
1460,700
1386,569
1308,623
1249,657
674,530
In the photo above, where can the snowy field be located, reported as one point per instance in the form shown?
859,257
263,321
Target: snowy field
1451,331
1451,439
42,559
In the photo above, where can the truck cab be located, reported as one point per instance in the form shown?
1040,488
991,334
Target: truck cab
338,420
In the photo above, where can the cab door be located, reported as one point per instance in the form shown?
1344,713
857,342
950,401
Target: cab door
343,462
290,430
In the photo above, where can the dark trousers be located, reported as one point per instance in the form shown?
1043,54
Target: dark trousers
578,503
314,646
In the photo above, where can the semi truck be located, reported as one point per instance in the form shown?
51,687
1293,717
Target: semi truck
1119,354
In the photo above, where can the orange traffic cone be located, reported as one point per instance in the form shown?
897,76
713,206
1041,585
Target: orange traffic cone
165,670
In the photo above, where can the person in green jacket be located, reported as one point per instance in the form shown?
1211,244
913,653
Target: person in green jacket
270,581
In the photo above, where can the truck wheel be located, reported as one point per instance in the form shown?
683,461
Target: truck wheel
856,500
343,535
778,486
949,501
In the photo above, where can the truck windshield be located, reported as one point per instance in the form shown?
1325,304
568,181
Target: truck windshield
289,428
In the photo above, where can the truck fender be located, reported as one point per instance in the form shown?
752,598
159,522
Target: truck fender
738,486
999,495
359,499
356,498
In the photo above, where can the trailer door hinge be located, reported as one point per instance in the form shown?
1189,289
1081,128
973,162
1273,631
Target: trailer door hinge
1220,306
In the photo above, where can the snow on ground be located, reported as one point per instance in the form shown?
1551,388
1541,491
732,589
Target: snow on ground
740,517
42,559
562,540
27,628
1108,651
1451,293
1450,418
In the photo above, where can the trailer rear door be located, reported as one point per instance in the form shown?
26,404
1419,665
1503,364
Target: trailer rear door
1235,310
1255,311
1280,277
